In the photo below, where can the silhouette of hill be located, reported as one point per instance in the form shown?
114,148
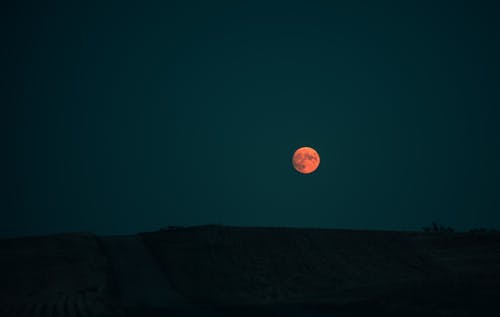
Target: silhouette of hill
54,276
228,271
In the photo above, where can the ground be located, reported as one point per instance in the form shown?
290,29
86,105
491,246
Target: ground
228,271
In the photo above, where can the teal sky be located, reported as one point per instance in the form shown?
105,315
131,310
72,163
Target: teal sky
120,118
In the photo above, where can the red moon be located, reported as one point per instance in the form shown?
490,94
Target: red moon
305,160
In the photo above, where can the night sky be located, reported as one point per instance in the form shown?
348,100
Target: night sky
121,118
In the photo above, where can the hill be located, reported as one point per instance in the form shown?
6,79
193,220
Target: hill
227,271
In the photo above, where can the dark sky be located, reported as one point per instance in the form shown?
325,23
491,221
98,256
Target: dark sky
120,118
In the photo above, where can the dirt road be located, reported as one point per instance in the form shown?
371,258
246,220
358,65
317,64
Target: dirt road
139,278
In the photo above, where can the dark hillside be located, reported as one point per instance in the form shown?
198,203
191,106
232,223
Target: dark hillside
58,275
241,271
231,265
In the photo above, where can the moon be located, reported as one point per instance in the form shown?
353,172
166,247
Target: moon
305,160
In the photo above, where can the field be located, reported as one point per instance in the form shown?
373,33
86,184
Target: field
229,271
